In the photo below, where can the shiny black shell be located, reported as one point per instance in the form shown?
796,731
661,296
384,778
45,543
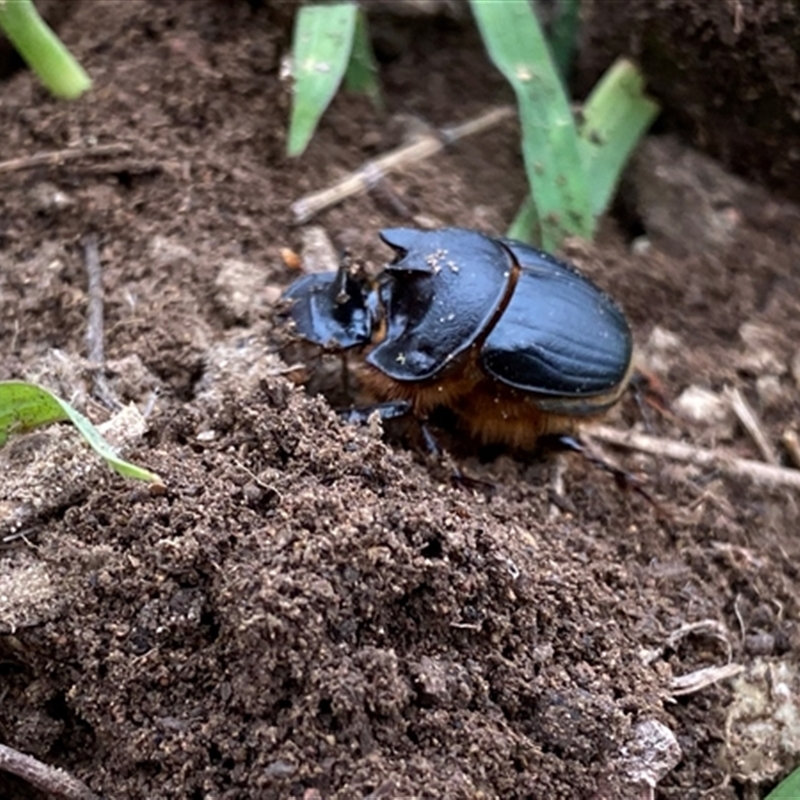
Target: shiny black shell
439,295
549,331
559,334
332,309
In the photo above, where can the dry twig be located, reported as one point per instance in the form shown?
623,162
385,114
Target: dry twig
58,157
704,627
726,462
131,166
751,423
373,171
790,441
692,682
94,323
47,779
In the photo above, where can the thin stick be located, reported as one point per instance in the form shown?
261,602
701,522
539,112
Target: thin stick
94,314
751,423
51,780
369,173
132,166
94,322
692,682
792,444
727,462
59,157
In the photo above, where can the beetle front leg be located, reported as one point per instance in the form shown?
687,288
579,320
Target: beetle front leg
625,480
386,411
457,476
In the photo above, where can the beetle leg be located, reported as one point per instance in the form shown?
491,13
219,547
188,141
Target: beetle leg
388,199
345,374
390,410
457,477
625,480
648,393
431,445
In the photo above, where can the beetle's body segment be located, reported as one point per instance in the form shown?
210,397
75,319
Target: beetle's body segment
559,334
516,343
445,289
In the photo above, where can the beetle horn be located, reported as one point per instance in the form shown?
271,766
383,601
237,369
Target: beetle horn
404,241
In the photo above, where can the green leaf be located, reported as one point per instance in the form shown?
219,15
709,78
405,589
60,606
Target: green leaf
323,41
525,227
516,44
42,50
24,406
787,789
362,71
615,117
563,35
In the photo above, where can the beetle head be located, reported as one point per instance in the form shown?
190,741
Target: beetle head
335,310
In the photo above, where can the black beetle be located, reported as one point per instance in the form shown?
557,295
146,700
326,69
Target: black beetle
514,342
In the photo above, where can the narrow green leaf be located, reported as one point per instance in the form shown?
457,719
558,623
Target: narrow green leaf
362,71
787,789
615,117
24,406
515,43
563,36
42,50
525,227
323,41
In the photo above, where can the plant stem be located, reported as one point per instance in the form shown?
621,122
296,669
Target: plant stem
42,50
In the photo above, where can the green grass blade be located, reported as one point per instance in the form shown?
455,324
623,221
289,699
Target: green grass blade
362,71
787,789
563,36
24,406
525,226
615,117
516,44
42,50
323,41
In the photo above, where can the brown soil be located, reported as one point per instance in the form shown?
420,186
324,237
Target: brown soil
310,611
746,108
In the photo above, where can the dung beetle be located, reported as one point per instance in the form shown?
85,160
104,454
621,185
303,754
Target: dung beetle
513,342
